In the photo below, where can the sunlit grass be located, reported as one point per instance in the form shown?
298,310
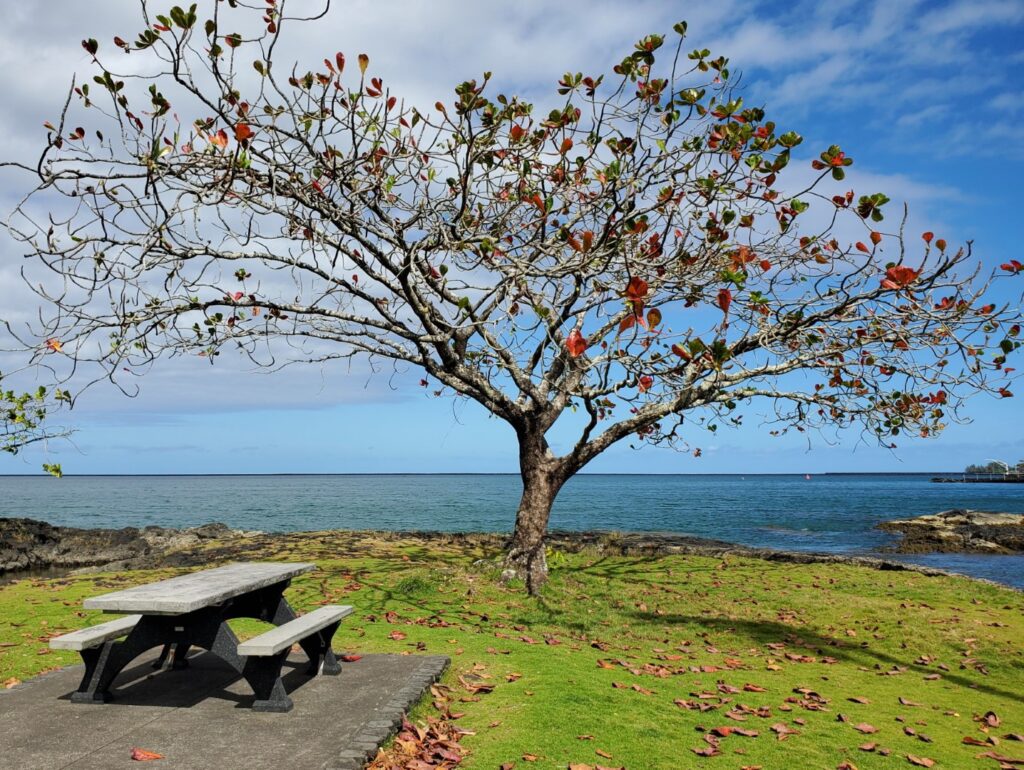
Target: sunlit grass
676,627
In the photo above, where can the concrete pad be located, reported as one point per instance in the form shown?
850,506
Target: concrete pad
199,717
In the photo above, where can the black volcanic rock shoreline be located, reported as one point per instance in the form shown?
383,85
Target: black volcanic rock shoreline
27,545
960,531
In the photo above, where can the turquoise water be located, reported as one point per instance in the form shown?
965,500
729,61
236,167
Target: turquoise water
825,513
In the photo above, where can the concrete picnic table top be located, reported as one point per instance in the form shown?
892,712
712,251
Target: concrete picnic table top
187,593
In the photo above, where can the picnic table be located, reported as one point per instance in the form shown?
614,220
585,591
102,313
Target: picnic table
192,611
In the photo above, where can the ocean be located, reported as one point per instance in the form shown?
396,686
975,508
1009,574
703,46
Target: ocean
826,513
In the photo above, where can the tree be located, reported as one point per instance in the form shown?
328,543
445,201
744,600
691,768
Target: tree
630,262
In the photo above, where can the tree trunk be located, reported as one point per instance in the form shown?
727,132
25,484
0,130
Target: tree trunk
541,481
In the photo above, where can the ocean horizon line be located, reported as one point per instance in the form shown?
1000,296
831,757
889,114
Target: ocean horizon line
470,473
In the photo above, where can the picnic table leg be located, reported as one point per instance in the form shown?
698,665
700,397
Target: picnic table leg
104,663
264,676
262,673
318,649
93,658
159,662
180,652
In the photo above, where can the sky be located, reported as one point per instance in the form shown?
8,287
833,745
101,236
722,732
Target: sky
925,96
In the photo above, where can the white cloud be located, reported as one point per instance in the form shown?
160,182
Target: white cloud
968,14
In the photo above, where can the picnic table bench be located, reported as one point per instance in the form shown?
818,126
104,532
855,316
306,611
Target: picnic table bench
192,611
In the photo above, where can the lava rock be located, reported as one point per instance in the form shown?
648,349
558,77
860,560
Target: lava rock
960,531
27,544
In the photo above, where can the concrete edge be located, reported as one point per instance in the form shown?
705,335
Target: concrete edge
388,721
41,678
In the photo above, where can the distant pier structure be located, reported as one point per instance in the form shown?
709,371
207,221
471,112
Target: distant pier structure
994,472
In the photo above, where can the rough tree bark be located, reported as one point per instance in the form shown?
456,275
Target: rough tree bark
542,476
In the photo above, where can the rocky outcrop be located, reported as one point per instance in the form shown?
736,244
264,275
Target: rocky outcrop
960,531
27,544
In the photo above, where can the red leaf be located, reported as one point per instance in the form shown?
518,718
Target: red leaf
220,139
339,59
392,101
566,146
142,755
576,343
862,247
898,276
724,300
243,132
653,318
941,244
636,289
645,383
876,237
928,236
517,132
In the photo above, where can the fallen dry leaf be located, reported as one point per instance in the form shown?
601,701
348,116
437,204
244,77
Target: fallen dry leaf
783,731
707,751
865,728
920,761
349,658
143,755
970,740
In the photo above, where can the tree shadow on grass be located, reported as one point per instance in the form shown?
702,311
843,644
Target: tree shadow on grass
763,632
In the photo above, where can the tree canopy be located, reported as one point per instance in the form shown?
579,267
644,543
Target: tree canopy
649,256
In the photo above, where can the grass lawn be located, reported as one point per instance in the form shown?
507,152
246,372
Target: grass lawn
629,661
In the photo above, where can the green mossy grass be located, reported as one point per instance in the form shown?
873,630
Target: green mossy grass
840,631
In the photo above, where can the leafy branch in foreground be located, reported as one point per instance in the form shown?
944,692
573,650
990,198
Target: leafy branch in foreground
21,419
637,263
